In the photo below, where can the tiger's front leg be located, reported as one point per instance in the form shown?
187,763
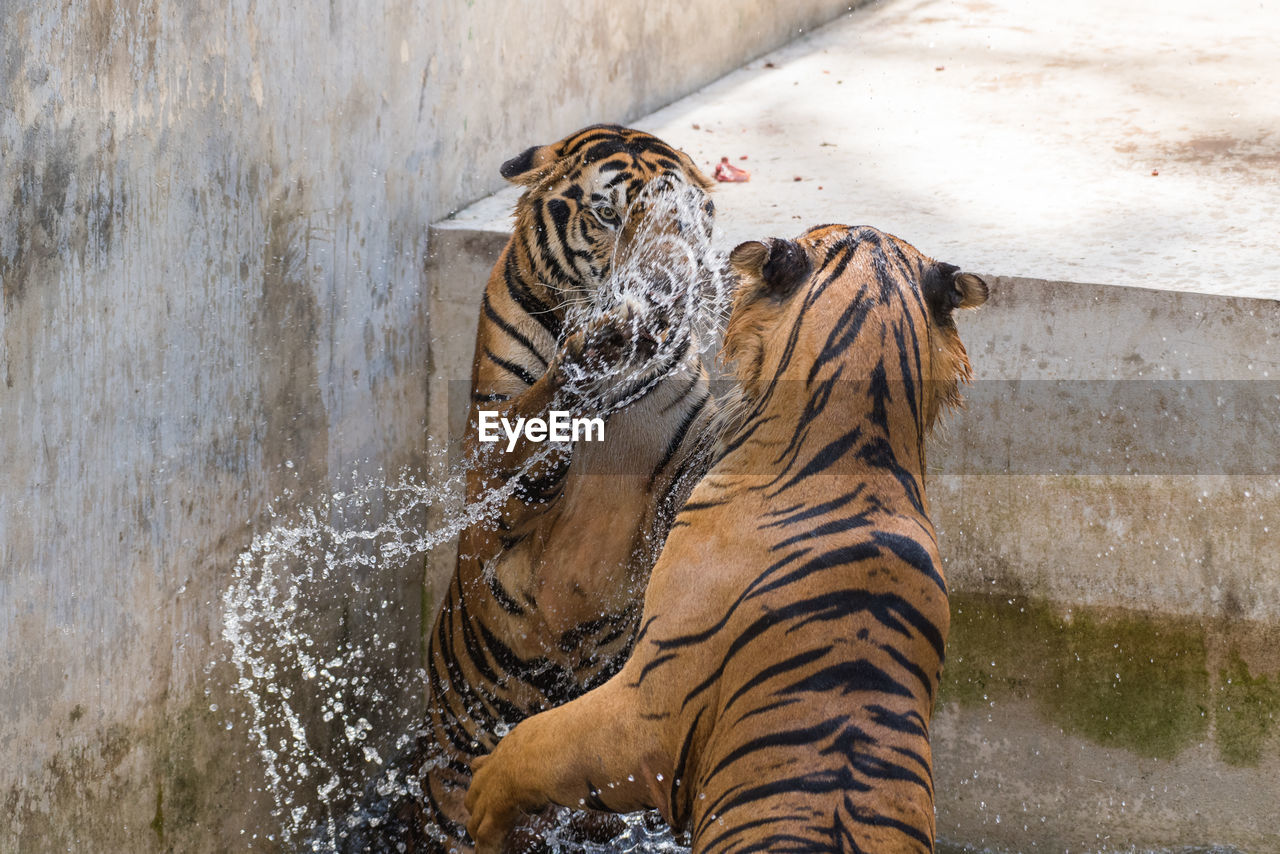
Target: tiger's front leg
593,752
613,359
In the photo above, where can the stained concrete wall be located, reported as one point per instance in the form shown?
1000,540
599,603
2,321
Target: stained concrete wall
213,221
1107,508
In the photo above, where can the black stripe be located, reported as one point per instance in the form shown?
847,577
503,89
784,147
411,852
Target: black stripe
795,661
814,407
875,820
502,597
558,211
549,678
678,438
910,723
769,707
544,313
487,307
519,371
880,394
842,335
831,558
913,554
879,453
926,681
816,782
826,457
904,365
781,738
829,528
698,637
679,816
848,677
651,665
695,506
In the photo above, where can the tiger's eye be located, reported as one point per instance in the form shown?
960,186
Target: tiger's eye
608,214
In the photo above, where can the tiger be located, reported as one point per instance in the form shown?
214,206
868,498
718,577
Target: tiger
544,600
781,688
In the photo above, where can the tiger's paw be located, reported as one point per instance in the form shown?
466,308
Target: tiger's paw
615,351
610,343
495,803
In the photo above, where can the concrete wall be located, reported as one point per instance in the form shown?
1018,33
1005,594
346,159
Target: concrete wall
1108,509
1119,449
213,220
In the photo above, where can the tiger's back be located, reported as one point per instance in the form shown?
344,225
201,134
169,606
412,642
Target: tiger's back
781,689
813,732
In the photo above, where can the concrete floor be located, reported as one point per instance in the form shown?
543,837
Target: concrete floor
1103,141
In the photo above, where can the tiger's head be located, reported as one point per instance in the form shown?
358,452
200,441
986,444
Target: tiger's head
850,304
608,198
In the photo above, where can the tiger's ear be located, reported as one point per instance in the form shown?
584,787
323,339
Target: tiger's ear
694,174
779,265
747,259
946,288
524,167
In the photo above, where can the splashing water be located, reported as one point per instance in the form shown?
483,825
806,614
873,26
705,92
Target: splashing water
671,277
319,715
308,703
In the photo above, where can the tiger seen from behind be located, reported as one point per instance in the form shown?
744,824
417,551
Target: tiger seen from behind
781,688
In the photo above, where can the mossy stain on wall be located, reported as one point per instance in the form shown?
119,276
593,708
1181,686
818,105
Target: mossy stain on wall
157,823
1245,710
1138,681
